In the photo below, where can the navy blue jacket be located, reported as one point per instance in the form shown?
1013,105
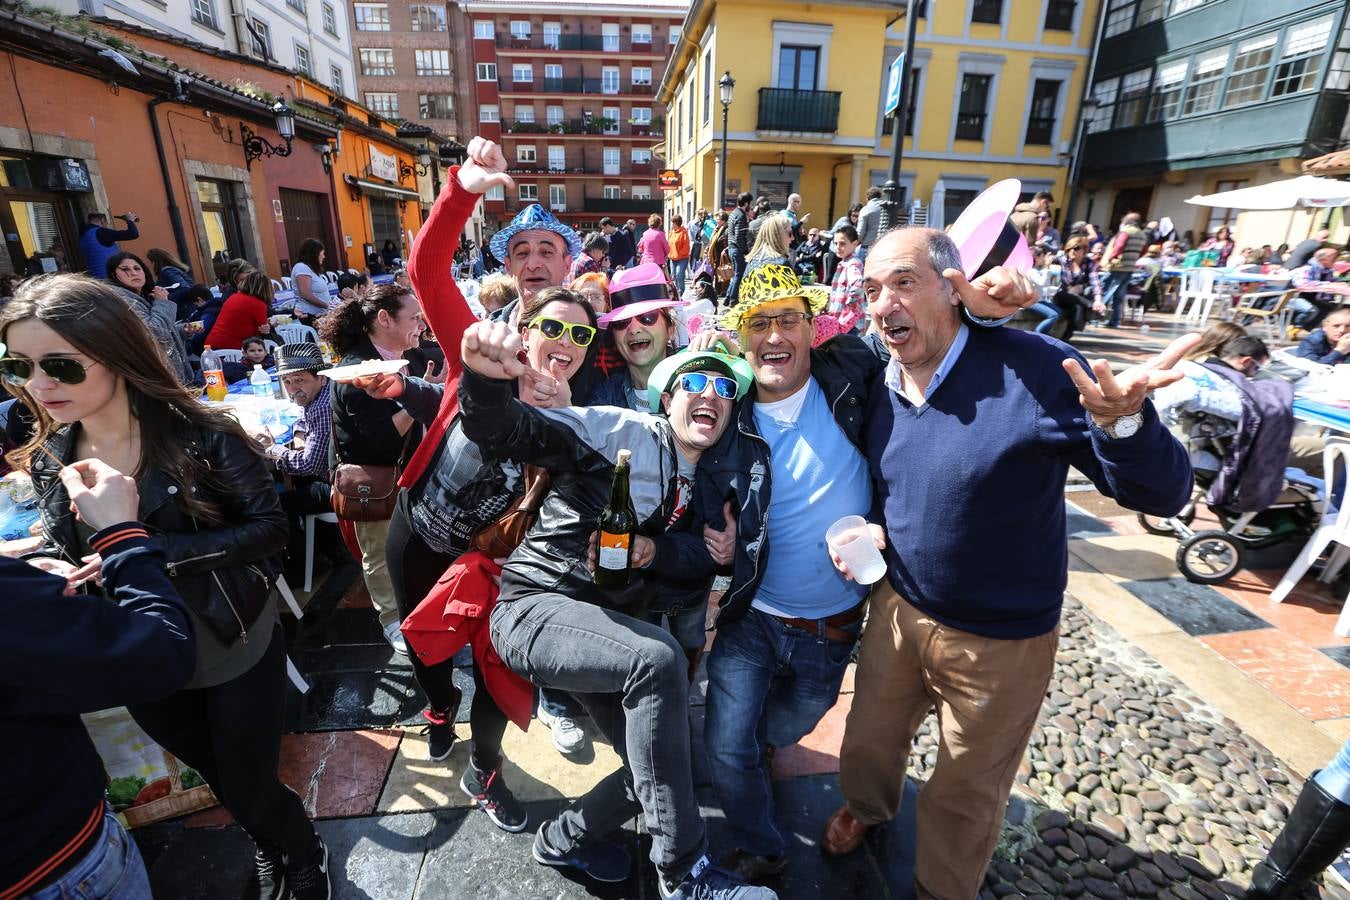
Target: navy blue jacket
1317,348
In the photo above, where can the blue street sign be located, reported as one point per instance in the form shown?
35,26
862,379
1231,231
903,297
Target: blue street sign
893,85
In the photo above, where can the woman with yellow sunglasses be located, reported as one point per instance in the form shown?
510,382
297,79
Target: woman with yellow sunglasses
558,328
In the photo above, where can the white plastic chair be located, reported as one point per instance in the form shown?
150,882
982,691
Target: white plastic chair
1198,293
1334,529
295,333
271,347
229,355
287,282
309,544
276,285
286,594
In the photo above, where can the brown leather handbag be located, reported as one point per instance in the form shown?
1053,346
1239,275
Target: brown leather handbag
503,536
364,493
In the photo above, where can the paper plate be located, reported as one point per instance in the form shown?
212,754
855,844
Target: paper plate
365,369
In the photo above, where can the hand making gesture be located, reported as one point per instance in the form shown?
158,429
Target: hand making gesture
484,167
1112,396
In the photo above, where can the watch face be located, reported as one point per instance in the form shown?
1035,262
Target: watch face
1125,426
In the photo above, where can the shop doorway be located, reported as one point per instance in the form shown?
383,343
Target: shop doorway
1128,200
386,224
39,224
304,217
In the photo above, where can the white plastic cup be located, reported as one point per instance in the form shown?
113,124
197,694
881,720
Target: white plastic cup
851,538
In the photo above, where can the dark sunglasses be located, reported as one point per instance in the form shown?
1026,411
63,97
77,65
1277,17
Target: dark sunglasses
67,370
553,329
697,383
646,319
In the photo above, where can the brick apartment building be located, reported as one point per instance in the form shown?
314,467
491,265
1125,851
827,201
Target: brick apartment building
568,87
410,63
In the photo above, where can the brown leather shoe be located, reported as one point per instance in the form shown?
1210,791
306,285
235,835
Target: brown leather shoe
843,833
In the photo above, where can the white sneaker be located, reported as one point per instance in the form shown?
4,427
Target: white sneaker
568,736
395,638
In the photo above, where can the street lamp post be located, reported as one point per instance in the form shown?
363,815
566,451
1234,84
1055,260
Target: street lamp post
725,86
890,191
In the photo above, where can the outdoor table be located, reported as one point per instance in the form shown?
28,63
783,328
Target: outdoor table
240,402
1326,412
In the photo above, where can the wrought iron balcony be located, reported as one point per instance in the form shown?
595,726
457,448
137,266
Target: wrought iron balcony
811,112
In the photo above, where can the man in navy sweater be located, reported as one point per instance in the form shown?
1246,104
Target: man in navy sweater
63,654
970,444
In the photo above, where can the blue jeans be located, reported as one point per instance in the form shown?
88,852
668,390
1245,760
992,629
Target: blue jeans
1113,294
1051,313
111,870
768,686
737,272
1335,778
687,623
677,269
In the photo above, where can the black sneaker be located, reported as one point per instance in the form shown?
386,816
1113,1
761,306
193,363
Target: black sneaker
310,881
269,875
601,860
440,734
494,798
707,882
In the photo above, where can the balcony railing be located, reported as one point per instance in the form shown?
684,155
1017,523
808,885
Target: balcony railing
588,204
571,85
589,43
610,170
784,109
596,125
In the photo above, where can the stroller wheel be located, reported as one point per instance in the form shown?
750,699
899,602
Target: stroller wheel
1161,526
1209,557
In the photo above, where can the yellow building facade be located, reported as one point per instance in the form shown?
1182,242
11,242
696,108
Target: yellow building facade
996,93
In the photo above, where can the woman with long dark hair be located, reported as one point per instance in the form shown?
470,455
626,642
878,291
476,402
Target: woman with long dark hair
174,276
312,298
88,368
150,302
384,324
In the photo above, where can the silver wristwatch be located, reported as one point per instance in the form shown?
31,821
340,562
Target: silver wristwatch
1125,426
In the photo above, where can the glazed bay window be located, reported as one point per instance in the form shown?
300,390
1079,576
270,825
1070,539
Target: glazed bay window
371,16
428,18
383,102
432,62
1250,71
1202,94
1166,102
1104,92
1301,59
435,106
1133,101
376,61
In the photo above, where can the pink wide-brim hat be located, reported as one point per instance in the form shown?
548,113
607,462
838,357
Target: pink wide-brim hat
986,236
638,290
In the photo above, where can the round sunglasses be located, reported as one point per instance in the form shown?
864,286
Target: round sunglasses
647,320
697,383
18,371
553,329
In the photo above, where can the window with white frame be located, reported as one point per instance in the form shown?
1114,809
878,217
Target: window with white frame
557,197
261,33
1150,11
1104,92
487,71
484,29
432,62
552,35
610,160
1202,94
641,34
1250,70
384,103
641,157
1301,57
1166,101
1338,75
302,59
520,29
297,5
204,13
1133,102
642,115
525,114
707,87
557,158
522,72
610,192
609,36
642,192
376,61
609,80
552,74
642,75
553,115
1119,17
330,19
528,192
488,112
371,16
675,32
428,18
496,192
335,78
526,153
611,115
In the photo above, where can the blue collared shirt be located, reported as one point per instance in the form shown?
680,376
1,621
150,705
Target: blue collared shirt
893,380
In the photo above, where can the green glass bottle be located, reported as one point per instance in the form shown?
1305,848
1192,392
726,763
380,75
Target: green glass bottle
618,528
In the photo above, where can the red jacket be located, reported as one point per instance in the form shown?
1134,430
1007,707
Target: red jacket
456,613
240,317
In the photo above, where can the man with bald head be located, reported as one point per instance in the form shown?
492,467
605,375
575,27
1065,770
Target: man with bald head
969,444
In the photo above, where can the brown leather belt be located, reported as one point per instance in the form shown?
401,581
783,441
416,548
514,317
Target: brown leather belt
830,627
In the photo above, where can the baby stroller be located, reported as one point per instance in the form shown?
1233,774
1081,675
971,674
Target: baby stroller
1214,555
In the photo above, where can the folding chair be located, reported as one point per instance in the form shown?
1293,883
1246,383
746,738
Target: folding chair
1276,318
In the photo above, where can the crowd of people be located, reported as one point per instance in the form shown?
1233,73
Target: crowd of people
469,487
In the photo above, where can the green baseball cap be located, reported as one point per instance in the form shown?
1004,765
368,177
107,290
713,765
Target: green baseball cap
677,364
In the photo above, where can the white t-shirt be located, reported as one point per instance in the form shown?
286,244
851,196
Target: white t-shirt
318,286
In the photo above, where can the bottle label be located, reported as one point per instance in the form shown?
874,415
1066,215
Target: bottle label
613,553
214,377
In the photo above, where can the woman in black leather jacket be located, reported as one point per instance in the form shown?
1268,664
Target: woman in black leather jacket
102,388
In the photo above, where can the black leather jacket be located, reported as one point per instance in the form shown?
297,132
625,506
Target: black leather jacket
737,467
224,572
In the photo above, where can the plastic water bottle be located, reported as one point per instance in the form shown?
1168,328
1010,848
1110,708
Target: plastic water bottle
261,383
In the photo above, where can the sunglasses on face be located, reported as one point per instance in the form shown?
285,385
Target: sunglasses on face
67,370
697,383
647,320
553,329
787,321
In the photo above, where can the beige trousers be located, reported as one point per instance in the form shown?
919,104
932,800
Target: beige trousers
987,694
370,537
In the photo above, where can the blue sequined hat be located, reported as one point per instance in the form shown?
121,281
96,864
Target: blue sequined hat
533,218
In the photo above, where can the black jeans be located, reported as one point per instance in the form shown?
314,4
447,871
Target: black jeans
414,569
231,734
